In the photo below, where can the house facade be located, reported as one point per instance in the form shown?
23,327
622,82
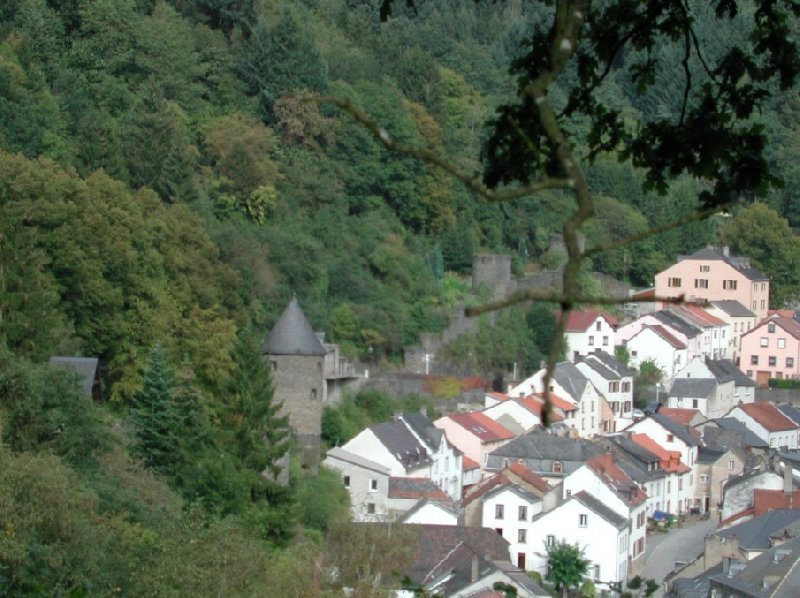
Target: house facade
587,331
447,467
366,481
656,343
614,380
741,320
474,434
771,350
769,423
713,274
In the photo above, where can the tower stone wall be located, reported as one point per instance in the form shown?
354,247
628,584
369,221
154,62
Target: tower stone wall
300,388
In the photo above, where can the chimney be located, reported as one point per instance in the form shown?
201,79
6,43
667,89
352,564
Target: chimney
788,483
474,572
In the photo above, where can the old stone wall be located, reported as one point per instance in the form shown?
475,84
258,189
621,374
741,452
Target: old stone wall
301,388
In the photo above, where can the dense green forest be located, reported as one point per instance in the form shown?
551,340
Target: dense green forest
164,191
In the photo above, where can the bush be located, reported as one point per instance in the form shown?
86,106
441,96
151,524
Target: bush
784,383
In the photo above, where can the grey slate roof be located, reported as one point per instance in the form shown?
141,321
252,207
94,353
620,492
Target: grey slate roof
570,379
734,309
749,437
85,367
675,428
424,428
772,574
755,534
725,370
343,455
292,334
590,502
791,412
401,443
674,321
693,388
541,445
518,490
709,456
607,365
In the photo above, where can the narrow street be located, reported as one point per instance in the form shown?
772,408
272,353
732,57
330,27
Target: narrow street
680,544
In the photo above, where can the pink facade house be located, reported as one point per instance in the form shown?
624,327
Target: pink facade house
587,331
474,433
712,274
771,350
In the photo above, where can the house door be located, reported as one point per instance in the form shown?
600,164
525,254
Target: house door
706,504
521,560
762,378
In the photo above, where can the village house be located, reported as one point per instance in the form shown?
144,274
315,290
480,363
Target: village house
713,274
740,320
446,460
714,468
568,382
602,478
366,481
769,423
772,350
712,386
587,331
643,467
518,414
614,380
678,489
405,494
474,434
656,343
586,521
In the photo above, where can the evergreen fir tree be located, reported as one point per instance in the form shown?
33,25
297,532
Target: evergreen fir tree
157,421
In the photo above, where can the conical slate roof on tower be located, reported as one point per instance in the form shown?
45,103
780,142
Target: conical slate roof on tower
292,334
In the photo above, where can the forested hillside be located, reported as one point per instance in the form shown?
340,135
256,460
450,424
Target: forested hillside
164,191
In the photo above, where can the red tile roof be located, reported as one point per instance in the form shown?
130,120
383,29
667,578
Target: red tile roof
769,416
557,402
580,320
482,426
676,414
468,463
766,500
666,335
608,471
416,488
499,396
483,487
670,460
790,325
535,406
533,478
699,314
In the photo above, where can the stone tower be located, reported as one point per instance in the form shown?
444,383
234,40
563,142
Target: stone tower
296,356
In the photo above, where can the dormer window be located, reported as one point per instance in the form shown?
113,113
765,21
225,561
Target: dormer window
558,467
597,326
770,328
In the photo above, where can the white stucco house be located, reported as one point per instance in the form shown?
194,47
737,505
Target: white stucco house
587,331
366,481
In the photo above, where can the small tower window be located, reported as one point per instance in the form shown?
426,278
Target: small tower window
313,394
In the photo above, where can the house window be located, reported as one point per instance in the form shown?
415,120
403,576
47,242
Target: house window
550,540
613,386
781,343
569,492
605,341
701,283
373,485
523,513
731,464
773,360
626,387
790,362
522,536
499,511
597,572
764,341
703,268
591,341
680,483
729,285
346,480
371,508
557,467
674,282
754,360
670,437
695,403
597,326
703,478
770,328
583,519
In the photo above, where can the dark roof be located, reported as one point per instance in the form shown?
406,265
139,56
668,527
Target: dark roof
571,379
402,444
725,370
541,445
749,438
444,506
734,309
772,574
755,534
791,412
613,363
676,429
590,502
448,549
742,264
85,367
709,456
674,321
512,487
292,334
693,388
424,428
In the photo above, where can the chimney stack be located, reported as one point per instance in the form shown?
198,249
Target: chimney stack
474,572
